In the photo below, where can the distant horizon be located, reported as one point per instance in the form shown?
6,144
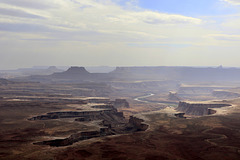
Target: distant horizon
68,66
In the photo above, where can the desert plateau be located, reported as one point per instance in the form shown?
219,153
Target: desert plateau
76,114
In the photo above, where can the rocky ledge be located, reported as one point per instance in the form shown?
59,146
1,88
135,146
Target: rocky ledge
134,125
112,122
198,109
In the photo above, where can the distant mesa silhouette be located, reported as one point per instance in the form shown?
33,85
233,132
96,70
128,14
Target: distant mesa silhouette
77,70
72,72
53,68
160,73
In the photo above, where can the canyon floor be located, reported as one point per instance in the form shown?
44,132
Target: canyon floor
167,137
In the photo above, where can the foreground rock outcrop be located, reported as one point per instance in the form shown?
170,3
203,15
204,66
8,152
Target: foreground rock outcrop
109,128
112,122
198,109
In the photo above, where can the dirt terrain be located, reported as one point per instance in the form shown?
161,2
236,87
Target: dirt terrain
168,137
203,138
119,120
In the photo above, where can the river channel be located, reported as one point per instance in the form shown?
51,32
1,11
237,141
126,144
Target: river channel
143,100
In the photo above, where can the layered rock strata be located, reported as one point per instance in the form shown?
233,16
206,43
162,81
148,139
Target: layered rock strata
198,109
112,122
134,124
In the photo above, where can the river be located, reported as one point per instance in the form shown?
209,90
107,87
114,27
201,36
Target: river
141,97
143,100
167,108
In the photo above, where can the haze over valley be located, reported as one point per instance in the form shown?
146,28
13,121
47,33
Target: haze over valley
73,113
119,80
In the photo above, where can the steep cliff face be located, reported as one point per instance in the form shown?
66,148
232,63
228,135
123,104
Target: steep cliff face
198,109
108,114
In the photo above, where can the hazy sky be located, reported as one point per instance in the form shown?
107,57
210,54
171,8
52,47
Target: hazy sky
119,32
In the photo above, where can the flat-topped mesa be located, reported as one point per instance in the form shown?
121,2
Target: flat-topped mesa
72,72
106,112
198,109
77,70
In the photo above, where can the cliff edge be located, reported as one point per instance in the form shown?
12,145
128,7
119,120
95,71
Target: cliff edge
198,109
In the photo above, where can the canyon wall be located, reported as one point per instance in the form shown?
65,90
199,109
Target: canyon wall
198,109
